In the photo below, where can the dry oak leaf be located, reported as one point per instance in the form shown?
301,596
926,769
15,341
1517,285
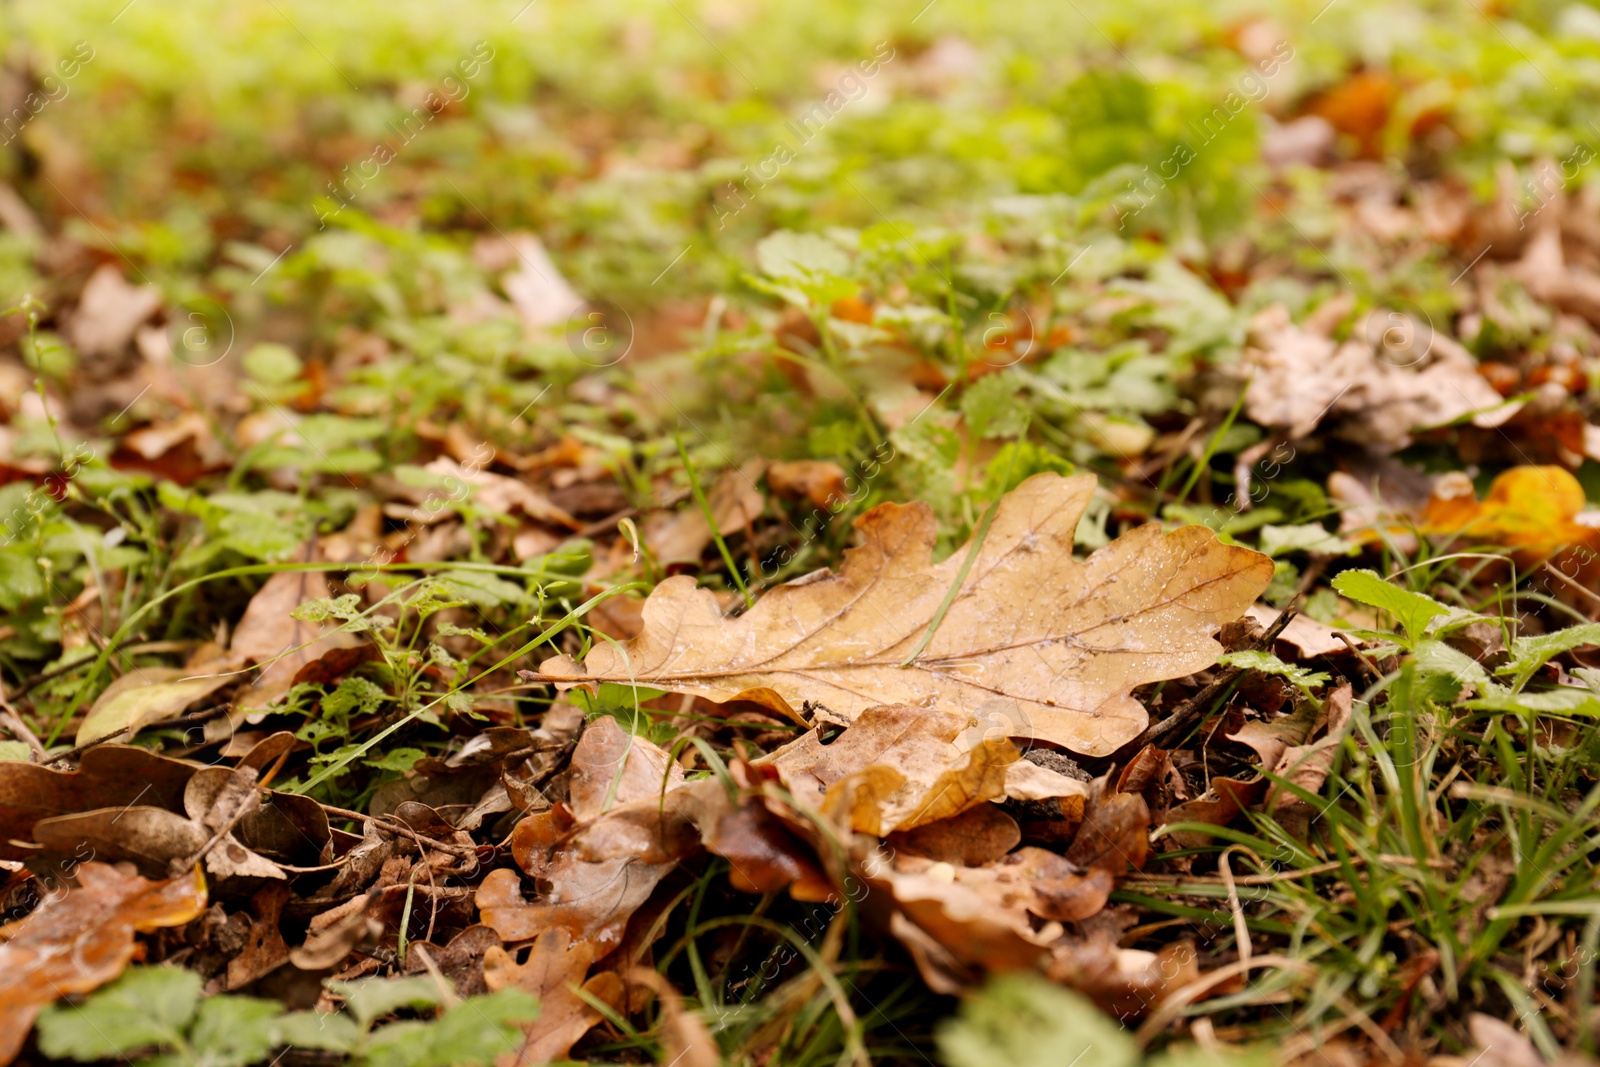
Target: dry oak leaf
1063,642
554,968
78,941
603,856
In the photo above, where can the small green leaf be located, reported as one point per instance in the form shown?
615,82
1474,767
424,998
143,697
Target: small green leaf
400,759
234,1031
1025,1021
146,1007
273,364
330,1030
372,998
1436,657
473,1032
1265,662
1528,654
1414,611
1307,537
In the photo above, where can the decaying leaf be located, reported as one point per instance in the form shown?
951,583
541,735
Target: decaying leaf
1307,765
1063,642
144,696
599,872
82,939
555,967
1384,383
899,767
110,776
125,803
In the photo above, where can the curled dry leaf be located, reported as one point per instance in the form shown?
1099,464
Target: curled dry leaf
897,767
960,921
82,939
110,776
126,804
1061,643
1415,379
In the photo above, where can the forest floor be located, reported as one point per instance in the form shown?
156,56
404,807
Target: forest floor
797,533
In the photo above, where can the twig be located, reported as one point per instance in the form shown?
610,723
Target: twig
19,729
1194,709
1590,593
400,828
1361,657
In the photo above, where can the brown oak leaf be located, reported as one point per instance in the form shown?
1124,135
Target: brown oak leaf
1061,643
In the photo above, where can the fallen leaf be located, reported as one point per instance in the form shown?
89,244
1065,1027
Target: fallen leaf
1387,381
1359,107
109,311
555,967
1307,766
1534,511
1544,270
976,837
537,290
492,492
611,765
1271,739
816,481
734,502
895,768
109,776
599,872
269,635
1064,641
1115,832
1308,637
1502,1045
144,696
82,939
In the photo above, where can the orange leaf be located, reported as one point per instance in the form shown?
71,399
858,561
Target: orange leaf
1534,511
82,940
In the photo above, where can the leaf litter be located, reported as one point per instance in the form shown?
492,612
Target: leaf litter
401,690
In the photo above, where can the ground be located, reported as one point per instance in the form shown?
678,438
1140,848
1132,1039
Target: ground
790,533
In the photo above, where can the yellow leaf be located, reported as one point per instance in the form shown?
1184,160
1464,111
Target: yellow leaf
1531,510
